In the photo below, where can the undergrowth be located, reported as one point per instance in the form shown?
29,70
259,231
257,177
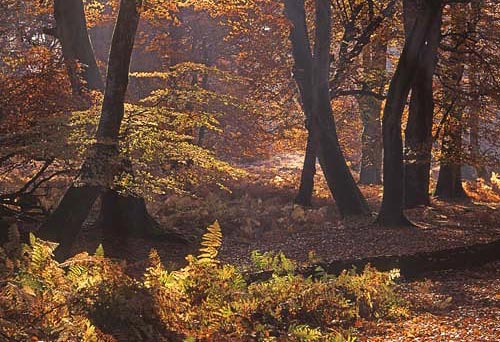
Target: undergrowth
90,298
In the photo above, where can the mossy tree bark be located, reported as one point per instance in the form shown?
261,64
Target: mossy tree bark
374,66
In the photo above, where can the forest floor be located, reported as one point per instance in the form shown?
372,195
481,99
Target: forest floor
271,222
450,306
447,306
258,214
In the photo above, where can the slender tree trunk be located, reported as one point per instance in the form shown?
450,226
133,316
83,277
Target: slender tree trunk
374,65
71,29
449,185
312,77
474,131
102,163
302,72
475,105
418,134
474,119
207,61
392,209
348,197
306,188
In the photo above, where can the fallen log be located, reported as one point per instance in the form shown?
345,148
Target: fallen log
411,266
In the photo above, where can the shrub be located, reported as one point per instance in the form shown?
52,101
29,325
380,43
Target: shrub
90,298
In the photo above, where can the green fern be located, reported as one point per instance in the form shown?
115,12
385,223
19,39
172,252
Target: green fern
276,262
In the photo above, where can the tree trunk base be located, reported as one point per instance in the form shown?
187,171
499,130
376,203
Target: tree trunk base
417,185
304,196
389,220
370,175
449,186
65,222
123,217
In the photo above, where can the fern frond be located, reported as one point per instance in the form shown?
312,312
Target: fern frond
210,242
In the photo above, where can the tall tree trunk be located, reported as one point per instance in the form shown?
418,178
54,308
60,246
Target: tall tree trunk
349,199
474,130
304,196
418,134
449,185
392,209
302,73
71,29
374,65
312,77
102,163
475,105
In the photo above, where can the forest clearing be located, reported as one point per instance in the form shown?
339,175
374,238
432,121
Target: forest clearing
249,170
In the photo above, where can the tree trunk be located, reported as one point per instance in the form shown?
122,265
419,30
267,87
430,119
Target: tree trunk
475,105
302,73
449,185
392,209
348,197
312,77
71,29
374,65
418,134
474,131
306,188
102,163
123,216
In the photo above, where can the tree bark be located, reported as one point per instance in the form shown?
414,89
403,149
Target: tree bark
302,73
449,185
304,196
474,130
349,199
102,163
475,105
123,216
374,65
392,209
312,77
418,134
71,30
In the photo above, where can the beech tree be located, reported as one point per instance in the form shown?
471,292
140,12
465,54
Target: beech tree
71,30
311,73
418,133
374,66
449,184
392,209
102,162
